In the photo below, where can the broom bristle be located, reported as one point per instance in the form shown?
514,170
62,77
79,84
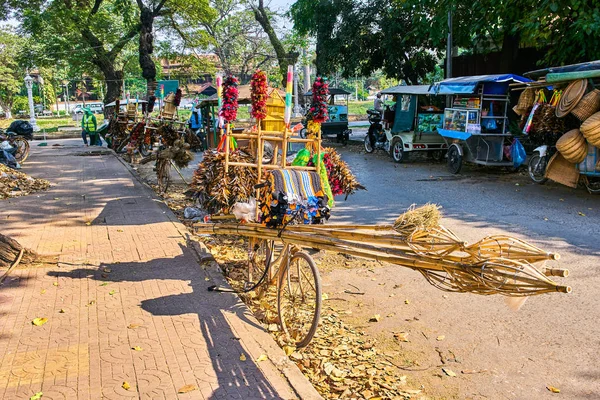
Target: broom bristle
418,218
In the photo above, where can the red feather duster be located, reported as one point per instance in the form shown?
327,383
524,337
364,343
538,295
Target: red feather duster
259,95
230,99
318,108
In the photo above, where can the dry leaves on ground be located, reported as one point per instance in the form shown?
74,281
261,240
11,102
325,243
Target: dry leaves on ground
14,183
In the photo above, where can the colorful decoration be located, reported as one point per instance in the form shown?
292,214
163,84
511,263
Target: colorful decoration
318,108
230,99
219,99
287,115
258,85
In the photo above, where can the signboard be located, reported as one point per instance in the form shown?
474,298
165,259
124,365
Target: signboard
165,87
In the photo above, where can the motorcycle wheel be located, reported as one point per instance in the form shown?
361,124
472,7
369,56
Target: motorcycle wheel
302,133
454,160
537,168
368,147
22,146
398,154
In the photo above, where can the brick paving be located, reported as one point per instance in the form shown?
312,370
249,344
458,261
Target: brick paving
126,277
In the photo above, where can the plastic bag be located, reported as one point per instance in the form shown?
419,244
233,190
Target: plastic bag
517,152
8,159
490,123
22,128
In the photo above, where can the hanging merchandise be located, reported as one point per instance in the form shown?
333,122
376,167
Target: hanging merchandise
258,90
490,123
550,127
230,99
177,99
541,98
318,108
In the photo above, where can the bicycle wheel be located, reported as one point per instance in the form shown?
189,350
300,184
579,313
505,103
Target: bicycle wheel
299,299
163,173
22,146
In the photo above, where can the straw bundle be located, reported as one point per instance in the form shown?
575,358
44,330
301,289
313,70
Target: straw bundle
418,219
572,146
495,265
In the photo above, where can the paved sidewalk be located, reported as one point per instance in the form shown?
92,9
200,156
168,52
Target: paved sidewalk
127,277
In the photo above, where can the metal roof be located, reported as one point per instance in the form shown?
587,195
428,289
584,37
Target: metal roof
333,91
408,89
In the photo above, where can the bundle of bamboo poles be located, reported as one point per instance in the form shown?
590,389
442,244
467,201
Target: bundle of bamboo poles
494,265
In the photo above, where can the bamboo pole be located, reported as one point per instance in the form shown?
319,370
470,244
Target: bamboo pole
227,148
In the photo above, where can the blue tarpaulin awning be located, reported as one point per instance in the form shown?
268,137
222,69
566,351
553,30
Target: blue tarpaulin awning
468,84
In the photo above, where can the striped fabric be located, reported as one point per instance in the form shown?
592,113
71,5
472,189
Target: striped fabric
297,184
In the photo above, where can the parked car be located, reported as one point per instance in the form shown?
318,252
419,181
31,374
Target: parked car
97,108
78,109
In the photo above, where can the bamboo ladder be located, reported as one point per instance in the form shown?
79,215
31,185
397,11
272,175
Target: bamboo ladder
257,141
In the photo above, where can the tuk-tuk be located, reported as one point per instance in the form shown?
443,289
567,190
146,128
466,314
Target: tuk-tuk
476,126
411,123
337,121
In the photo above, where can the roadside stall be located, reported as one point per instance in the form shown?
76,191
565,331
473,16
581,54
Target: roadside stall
412,122
476,127
280,207
567,127
337,114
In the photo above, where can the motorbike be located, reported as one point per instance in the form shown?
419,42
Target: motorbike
14,144
377,138
539,162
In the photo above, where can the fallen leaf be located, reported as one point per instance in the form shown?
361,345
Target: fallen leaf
207,278
39,321
401,336
406,301
112,292
561,199
62,311
440,338
262,357
92,302
273,328
545,219
43,291
88,223
126,385
296,356
324,296
553,389
580,213
517,184
107,270
137,348
119,230
104,284
448,372
55,284
375,318
37,396
243,357
288,350
187,388
104,275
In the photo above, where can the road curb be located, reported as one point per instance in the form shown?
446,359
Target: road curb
277,363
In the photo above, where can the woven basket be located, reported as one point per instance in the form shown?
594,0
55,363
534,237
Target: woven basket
588,105
570,97
591,129
526,100
561,171
572,146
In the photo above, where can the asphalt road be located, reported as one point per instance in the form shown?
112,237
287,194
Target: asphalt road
553,340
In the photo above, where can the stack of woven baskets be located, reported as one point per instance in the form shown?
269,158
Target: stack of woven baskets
583,105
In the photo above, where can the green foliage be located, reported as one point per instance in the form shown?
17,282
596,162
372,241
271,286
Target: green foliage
20,103
11,70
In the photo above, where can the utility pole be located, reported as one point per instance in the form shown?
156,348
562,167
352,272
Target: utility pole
296,106
306,73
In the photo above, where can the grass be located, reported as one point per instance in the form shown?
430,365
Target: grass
52,123
359,107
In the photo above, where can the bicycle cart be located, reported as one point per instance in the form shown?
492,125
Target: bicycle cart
476,127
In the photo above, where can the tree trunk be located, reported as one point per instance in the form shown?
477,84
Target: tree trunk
284,58
510,52
9,251
146,50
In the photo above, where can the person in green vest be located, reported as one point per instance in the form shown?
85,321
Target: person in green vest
88,127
